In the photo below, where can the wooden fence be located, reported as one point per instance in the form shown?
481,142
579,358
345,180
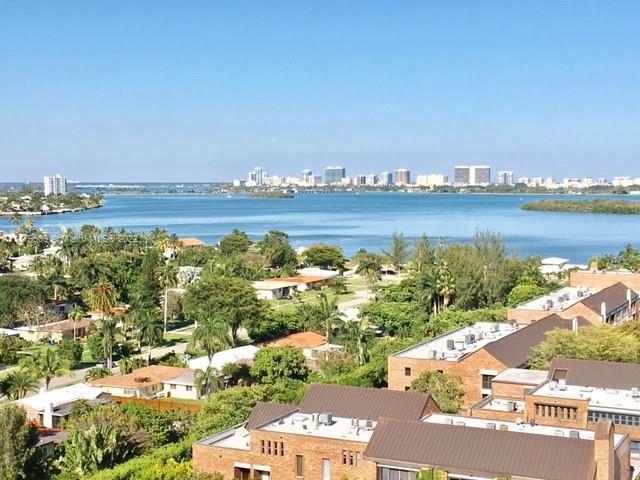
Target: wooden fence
163,404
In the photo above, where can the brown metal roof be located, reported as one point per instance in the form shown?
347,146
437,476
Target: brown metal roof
264,413
478,451
592,373
613,296
514,350
365,403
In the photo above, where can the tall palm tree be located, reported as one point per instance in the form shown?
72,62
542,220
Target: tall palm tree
208,381
46,364
76,314
168,279
108,334
211,335
444,284
16,219
329,314
369,268
18,383
102,297
149,330
359,337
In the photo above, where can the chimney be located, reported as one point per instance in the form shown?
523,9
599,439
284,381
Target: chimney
47,415
603,312
604,451
574,325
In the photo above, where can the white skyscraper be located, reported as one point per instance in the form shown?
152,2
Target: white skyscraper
55,185
505,177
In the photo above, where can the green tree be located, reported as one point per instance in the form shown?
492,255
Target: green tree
277,250
524,292
18,383
324,256
96,373
398,254
77,314
208,381
108,335
147,287
168,279
323,316
232,299
235,243
446,389
15,292
358,337
602,342
423,256
369,268
102,297
272,364
18,440
46,364
150,329
210,335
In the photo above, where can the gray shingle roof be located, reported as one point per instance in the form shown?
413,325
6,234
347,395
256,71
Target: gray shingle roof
264,413
592,373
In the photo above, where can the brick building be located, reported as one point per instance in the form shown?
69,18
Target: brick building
575,394
477,354
604,279
613,304
373,434
326,434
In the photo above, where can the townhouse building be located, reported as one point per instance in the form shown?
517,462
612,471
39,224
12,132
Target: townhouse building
477,353
358,433
613,304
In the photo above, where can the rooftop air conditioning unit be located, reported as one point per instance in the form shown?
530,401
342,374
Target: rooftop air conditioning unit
443,355
460,345
491,426
558,433
451,344
562,384
432,354
511,406
368,425
574,434
326,418
553,385
495,327
634,392
460,424
448,421
504,427
545,306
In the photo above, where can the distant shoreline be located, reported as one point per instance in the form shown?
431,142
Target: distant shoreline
599,206
52,212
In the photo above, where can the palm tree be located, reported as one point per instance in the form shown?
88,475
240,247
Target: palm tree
102,297
359,336
211,335
208,381
16,219
168,279
149,330
18,383
108,332
46,364
445,284
96,373
76,314
331,317
369,268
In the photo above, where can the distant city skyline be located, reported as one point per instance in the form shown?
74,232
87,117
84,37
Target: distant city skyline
103,93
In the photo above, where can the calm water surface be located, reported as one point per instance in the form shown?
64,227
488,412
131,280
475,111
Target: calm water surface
365,220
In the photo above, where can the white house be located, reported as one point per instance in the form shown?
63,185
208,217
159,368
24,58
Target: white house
244,354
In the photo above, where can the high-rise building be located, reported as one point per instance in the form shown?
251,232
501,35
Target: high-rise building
360,180
386,178
259,174
432,180
403,176
307,177
333,175
55,185
462,175
372,179
480,175
505,177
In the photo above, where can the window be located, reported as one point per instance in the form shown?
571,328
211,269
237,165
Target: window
616,418
635,448
388,473
486,381
407,371
189,388
326,469
267,447
299,466
407,388
173,386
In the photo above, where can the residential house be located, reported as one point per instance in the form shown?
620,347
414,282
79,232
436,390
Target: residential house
238,355
314,346
47,408
56,332
148,382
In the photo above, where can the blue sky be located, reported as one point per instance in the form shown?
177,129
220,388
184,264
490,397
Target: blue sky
205,90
